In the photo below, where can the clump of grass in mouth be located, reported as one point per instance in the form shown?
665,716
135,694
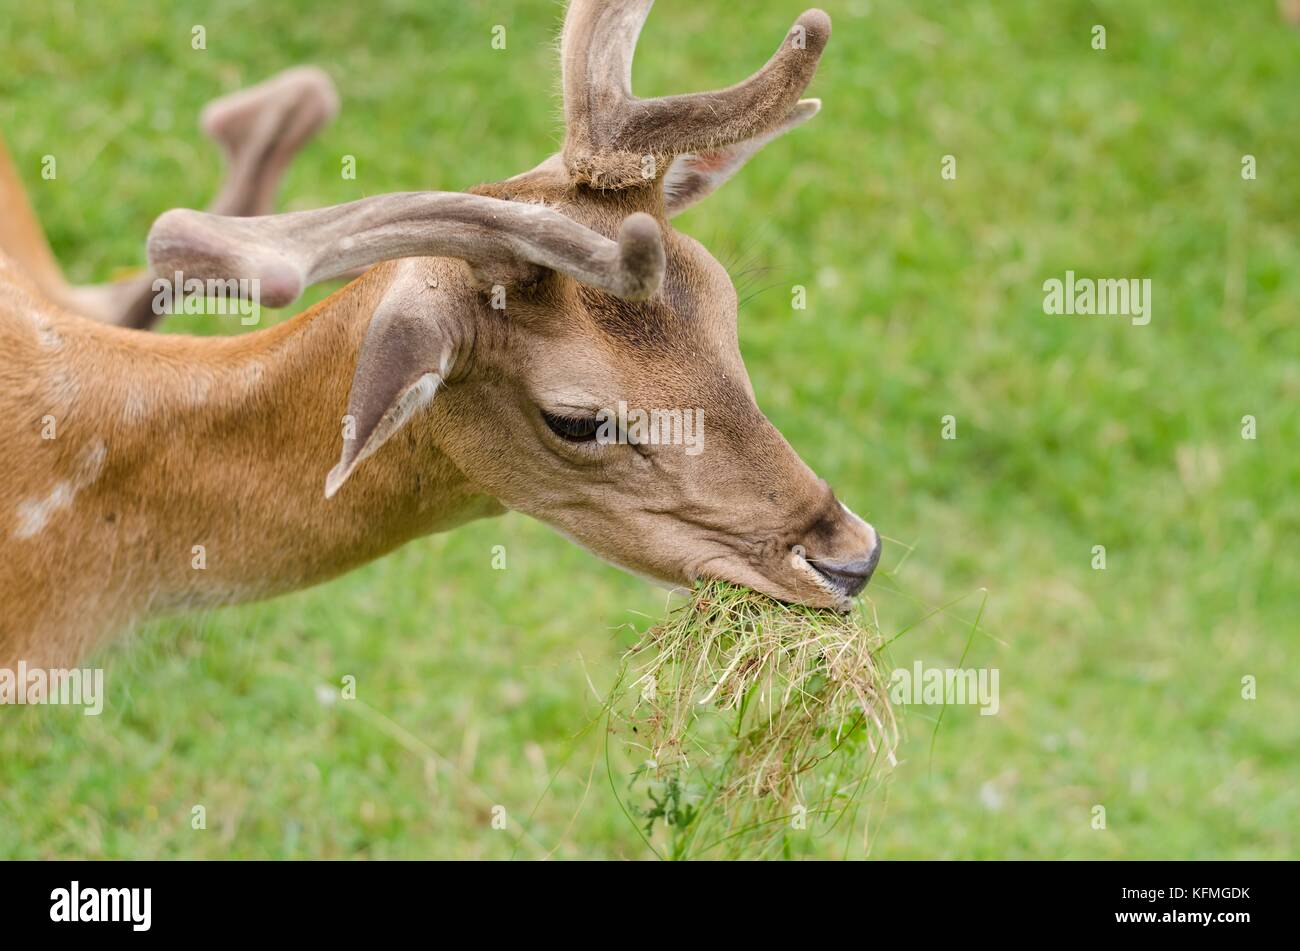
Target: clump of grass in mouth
748,715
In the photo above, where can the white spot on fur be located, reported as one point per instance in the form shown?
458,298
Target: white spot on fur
35,514
250,375
199,387
63,388
136,406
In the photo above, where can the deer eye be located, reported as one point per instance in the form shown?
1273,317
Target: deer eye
571,428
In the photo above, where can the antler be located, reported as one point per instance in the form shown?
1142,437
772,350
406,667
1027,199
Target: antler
261,128
610,132
291,251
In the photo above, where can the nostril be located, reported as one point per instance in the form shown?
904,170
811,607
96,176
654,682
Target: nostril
850,576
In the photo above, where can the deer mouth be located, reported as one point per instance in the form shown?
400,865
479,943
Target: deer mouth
806,585
838,591
848,576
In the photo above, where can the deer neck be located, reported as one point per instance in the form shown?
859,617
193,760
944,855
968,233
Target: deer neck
190,471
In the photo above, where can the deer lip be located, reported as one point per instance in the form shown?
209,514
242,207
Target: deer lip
843,600
761,581
848,576
843,583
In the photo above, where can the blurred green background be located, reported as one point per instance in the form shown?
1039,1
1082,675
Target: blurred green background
1120,687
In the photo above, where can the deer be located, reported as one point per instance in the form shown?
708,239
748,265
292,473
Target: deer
462,375
259,130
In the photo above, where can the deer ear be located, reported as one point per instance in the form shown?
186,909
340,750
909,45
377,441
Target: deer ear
696,175
408,351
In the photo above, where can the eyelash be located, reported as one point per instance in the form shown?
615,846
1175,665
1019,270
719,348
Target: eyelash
576,429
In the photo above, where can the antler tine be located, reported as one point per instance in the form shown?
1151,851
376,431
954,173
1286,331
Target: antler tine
288,252
610,132
597,47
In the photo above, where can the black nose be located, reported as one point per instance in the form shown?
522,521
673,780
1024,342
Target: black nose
849,576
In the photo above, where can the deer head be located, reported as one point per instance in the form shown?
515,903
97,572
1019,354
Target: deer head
571,295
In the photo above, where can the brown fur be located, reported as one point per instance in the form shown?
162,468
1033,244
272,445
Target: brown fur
166,443
20,233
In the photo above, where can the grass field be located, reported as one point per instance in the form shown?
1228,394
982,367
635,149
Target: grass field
1119,687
